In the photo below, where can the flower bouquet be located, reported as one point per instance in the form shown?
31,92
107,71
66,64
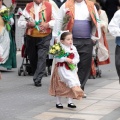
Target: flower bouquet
20,12
4,13
57,51
7,14
66,19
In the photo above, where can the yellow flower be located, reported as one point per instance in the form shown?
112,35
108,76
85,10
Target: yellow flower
56,44
4,10
53,46
53,51
57,48
50,51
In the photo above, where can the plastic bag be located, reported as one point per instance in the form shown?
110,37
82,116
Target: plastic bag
102,52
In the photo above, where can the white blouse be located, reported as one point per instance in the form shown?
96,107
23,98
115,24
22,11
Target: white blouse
69,77
114,25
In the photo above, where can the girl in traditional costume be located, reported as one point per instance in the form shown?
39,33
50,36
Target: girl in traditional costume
7,43
64,81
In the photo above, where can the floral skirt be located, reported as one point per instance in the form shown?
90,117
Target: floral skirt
59,88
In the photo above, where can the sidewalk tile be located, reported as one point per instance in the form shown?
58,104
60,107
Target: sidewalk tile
101,108
102,93
114,85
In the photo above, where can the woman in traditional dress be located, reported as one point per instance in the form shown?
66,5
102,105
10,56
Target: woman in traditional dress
6,42
102,60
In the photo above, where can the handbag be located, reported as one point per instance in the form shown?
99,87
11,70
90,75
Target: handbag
102,52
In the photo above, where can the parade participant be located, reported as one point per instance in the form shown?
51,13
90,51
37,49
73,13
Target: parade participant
114,29
64,80
110,6
6,41
81,18
104,58
38,19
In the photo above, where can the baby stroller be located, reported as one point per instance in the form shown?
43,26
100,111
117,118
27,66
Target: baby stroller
95,71
25,67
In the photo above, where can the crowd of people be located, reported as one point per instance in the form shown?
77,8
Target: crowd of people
77,25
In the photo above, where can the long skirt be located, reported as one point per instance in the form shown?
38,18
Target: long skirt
59,88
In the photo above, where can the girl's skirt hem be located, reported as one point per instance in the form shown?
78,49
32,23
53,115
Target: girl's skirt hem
59,88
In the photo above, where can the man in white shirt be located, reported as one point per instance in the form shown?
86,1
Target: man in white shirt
38,18
114,29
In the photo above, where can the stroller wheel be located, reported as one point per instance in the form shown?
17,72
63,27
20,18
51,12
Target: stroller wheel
100,72
94,77
46,72
49,70
19,72
24,71
90,77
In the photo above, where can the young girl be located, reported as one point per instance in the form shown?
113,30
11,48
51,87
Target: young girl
65,82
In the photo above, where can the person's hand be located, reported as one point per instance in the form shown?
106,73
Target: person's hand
30,24
68,60
103,27
44,26
94,42
55,41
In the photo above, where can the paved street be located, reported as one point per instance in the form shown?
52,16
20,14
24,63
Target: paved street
21,100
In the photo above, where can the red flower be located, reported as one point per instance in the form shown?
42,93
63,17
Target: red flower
67,12
13,1
66,20
71,56
20,13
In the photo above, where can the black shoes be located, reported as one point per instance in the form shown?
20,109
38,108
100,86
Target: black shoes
38,84
71,105
84,96
60,106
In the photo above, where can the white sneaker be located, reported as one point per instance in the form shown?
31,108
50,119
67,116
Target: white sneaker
84,96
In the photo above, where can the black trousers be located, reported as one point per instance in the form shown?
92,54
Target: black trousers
117,60
37,50
84,48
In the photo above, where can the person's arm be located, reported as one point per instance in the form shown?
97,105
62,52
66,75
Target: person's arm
93,37
22,22
104,21
11,21
53,17
114,25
